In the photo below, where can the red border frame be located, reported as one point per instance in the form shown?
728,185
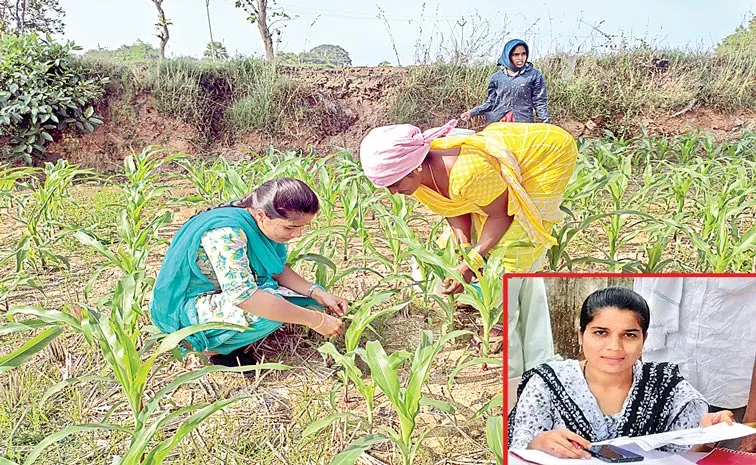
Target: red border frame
505,317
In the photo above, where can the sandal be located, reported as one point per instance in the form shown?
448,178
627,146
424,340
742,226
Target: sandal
237,358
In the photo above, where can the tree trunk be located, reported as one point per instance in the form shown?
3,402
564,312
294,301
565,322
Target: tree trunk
262,26
20,8
163,35
566,296
163,42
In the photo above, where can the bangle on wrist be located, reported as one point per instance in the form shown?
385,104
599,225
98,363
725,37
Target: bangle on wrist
475,260
322,320
311,289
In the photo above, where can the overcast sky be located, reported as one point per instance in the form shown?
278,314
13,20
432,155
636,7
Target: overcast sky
548,25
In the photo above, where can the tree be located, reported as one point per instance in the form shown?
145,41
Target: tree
287,58
268,18
326,54
162,27
743,40
23,16
43,93
221,54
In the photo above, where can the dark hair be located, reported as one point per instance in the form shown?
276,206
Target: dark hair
618,297
281,198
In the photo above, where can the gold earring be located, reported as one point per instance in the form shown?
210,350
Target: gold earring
420,169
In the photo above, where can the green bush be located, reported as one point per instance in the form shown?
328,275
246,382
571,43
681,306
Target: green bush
41,93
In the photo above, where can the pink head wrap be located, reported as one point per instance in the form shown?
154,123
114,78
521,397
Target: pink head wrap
389,153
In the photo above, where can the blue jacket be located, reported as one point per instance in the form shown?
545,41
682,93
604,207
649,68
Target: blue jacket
520,94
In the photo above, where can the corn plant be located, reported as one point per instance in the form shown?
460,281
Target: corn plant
366,387
686,145
405,400
235,180
11,179
130,371
37,213
361,319
586,183
614,224
137,239
397,231
328,193
489,299
141,170
354,219
659,234
276,164
719,243
321,241
558,257
439,267
681,180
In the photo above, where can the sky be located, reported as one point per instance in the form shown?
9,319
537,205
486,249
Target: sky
547,25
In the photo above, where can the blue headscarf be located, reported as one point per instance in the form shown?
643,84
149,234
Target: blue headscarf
508,47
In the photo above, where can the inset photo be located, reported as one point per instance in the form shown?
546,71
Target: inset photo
623,368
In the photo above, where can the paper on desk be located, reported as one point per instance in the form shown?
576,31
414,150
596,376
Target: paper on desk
685,437
526,456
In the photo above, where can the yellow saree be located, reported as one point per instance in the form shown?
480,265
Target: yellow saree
532,161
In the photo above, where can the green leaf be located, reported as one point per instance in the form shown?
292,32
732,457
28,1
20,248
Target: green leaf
31,347
321,423
495,403
353,451
383,375
62,434
161,451
437,404
89,240
495,437
89,112
25,325
173,339
319,259
346,362
397,358
49,316
190,377
56,388
476,361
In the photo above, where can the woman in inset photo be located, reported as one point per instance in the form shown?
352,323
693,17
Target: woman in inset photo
564,406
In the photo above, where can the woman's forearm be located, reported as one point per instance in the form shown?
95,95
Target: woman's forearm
462,228
290,279
492,232
270,307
